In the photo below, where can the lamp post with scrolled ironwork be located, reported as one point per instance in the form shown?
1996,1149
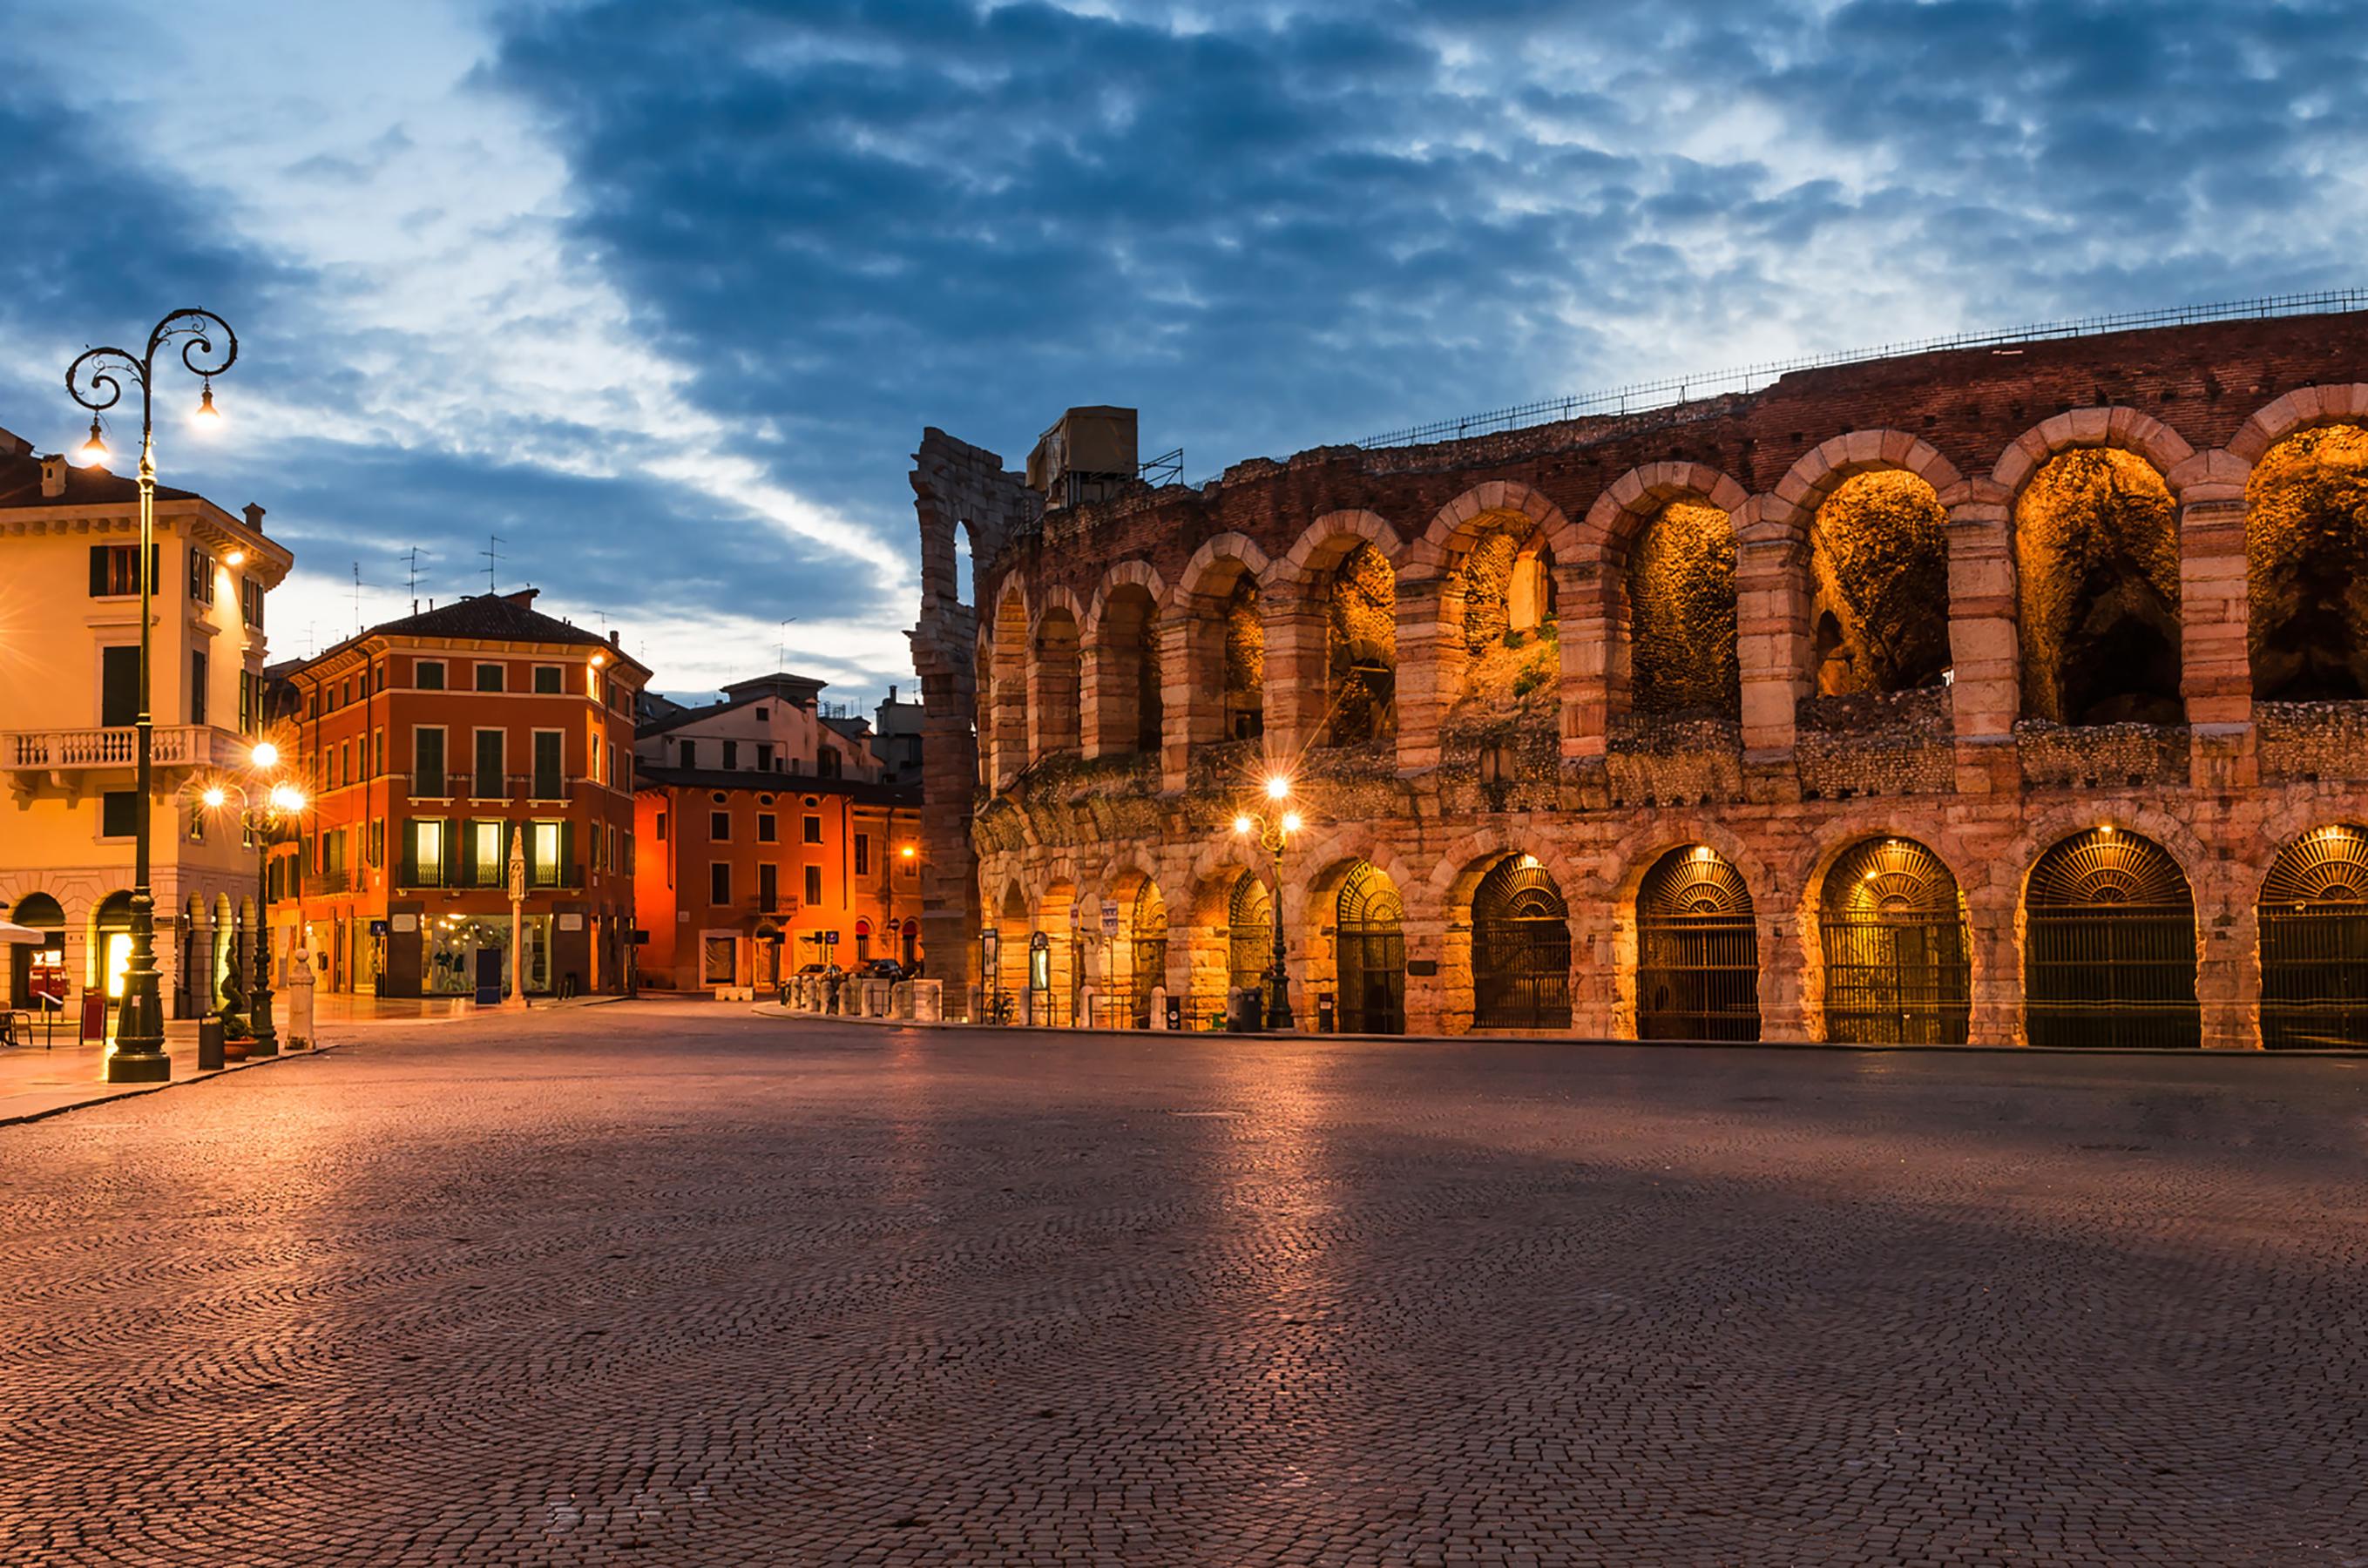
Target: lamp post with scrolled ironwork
95,380
273,803
1271,829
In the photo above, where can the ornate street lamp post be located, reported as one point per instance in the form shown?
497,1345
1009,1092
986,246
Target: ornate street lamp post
261,813
96,382
1271,829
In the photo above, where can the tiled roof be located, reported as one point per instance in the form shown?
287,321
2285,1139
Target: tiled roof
20,485
491,618
861,791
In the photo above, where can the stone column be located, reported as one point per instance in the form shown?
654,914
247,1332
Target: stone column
1986,693
1782,962
1297,687
2227,969
2215,654
1429,669
1184,711
1771,640
950,775
1996,1017
1594,651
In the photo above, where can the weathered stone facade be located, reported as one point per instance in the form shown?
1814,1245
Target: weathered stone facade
2125,608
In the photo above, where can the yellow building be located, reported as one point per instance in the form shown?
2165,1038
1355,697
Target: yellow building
69,648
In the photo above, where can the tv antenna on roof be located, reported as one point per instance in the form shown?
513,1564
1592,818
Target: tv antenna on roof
493,554
782,648
413,559
357,597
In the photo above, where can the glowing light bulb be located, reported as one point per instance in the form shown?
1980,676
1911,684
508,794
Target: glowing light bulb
207,417
1290,822
266,754
1242,823
1277,788
93,451
288,798
214,798
235,558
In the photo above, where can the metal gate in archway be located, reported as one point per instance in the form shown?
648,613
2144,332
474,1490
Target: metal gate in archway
1894,938
1369,938
1249,917
1697,951
2109,945
1148,931
2314,917
1521,949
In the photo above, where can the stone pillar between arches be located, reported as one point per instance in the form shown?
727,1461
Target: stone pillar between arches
1430,662
2214,652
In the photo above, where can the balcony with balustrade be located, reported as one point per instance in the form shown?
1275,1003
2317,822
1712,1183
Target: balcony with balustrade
58,753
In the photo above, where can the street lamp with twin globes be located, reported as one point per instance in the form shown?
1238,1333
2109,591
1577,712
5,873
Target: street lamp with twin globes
1271,827
271,803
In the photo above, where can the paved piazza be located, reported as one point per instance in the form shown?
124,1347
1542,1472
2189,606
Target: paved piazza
670,1283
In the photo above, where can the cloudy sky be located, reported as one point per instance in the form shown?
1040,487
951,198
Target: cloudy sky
662,295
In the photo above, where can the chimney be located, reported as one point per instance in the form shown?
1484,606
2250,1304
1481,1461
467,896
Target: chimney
612,638
253,516
522,597
53,476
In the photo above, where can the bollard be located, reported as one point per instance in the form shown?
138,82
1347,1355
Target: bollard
210,1045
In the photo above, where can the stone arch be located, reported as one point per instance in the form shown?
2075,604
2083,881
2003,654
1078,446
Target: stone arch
1124,684
1136,962
1932,1003
2306,565
1608,963
1054,650
1010,914
1785,511
1322,543
2336,403
1477,610
1365,965
2098,578
1878,584
2144,436
1005,700
2111,945
1055,916
1462,865
1215,605
2312,913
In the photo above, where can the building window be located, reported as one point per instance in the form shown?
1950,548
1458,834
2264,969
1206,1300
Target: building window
202,577
377,841
423,853
863,854
427,762
813,884
719,827
546,679
662,816
768,887
689,753
549,784
250,602
118,686
760,715
611,861
546,854
197,689
111,572
488,785
764,756
486,860
813,830
197,822
719,882
489,676
731,754
827,763
768,828
427,674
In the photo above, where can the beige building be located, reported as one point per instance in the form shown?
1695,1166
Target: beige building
70,642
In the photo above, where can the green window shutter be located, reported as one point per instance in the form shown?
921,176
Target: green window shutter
567,878
98,569
118,687
469,854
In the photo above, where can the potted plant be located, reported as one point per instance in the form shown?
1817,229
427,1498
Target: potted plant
238,1038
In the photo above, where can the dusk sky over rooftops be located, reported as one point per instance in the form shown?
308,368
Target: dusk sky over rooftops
663,297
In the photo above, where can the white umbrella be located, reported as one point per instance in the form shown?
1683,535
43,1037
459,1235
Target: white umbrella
13,933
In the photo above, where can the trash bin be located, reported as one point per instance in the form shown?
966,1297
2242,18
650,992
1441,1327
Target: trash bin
1245,1010
1328,1013
210,1045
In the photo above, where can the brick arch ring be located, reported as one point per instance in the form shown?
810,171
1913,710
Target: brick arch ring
1456,526
1637,495
2124,430
1785,511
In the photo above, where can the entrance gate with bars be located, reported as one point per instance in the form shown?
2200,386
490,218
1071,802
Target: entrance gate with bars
1697,951
2109,945
1371,944
2314,918
1894,938
1521,949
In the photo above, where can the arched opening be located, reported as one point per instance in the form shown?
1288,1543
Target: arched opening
1879,566
1245,662
1697,949
966,566
2096,553
1052,696
1361,650
225,936
863,945
1369,940
1249,924
1053,968
110,945
2314,921
2306,565
1127,678
1010,690
1144,952
1225,655
1897,965
2109,945
1502,594
1011,946
1521,949
910,953
1679,589
36,971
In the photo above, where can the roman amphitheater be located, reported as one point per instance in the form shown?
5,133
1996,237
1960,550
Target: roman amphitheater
2004,694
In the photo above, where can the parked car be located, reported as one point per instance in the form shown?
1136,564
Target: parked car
879,968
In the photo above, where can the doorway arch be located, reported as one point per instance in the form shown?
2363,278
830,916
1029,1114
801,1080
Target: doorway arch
2109,945
1521,949
2314,922
1370,942
1897,967
1697,949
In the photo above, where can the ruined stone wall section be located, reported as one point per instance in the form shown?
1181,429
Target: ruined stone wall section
1598,791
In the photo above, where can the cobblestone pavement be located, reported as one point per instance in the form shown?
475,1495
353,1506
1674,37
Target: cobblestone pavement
666,1283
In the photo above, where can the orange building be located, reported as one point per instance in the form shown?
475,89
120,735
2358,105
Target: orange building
769,841
433,744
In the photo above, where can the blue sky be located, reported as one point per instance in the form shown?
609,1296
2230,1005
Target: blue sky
664,295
